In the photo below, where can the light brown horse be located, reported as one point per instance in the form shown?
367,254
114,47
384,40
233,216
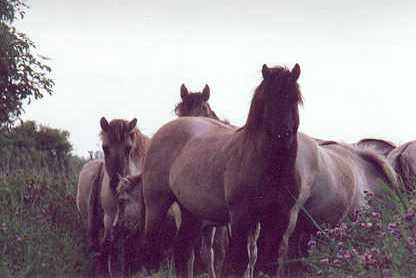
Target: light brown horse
124,148
333,178
381,146
129,223
210,249
212,244
403,160
225,175
129,200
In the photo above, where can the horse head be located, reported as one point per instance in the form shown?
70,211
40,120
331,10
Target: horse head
194,103
119,139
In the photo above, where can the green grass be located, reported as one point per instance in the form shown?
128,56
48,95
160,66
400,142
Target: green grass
40,230
41,233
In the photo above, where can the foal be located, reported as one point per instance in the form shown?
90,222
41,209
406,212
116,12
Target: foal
124,147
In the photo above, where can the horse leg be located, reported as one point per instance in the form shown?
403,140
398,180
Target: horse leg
99,265
108,238
252,249
236,258
273,228
108,244
184,254
298,247
220,247
128,257
199,263
155,213
207,252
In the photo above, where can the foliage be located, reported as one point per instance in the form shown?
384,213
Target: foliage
23,74
40,232
29,144
379,241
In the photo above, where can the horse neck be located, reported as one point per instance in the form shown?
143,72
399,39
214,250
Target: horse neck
278,160
137,157
273,148
213,115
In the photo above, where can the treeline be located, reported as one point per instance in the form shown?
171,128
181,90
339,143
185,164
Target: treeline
37,148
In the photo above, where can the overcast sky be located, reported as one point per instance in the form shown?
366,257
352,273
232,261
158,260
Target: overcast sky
125,59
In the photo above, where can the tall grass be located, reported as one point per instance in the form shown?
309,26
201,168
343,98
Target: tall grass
379,241
40,231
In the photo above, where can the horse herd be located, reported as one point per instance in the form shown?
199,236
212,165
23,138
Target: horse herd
234,201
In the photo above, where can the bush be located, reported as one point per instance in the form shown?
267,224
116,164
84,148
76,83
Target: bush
380,240
40,229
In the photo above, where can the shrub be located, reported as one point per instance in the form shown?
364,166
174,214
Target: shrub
40,230
380,240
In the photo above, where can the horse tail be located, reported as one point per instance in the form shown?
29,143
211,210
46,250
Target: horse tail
382,166
403,169
94,211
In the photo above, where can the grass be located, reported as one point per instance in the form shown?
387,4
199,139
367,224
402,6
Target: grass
40,230
41,233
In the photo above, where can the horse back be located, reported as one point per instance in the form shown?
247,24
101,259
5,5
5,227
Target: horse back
186,157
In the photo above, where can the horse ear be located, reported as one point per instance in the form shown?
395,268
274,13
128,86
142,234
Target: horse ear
104,124
132,124
206,93
265,71
184,91
295,72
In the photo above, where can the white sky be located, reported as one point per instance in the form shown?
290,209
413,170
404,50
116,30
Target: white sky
127,58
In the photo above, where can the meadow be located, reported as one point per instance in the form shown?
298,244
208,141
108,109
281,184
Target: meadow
41,233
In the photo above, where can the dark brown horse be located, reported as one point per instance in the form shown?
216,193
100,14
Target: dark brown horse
225,175
195,104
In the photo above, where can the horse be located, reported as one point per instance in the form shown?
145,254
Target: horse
403,160
130,222
381,146
124,147
211,246
333,180
226,175
195,104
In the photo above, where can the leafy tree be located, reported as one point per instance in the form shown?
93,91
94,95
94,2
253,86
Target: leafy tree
23,74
